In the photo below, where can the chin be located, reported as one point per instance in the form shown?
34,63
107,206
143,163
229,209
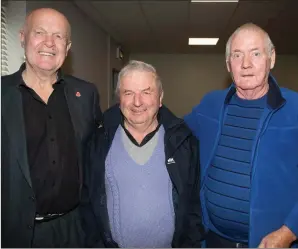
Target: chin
48,63
46,67
138,120
249,86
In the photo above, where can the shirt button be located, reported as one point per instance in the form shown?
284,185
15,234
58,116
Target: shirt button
29,226
50,117
52,139
54,162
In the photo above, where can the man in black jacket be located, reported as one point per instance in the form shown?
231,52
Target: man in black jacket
47,118
141,185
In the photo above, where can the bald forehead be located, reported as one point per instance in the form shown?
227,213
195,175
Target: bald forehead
34,17
251,30
46,11
249,34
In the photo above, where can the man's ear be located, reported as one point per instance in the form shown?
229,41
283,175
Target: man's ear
68,46
22,37
160,99
228,65
272,58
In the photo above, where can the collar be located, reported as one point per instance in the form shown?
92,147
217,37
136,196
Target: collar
274,96
60,76
147,138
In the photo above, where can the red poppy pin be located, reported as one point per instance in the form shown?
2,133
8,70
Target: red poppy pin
78,94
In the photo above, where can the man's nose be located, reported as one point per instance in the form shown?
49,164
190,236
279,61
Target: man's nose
246,63
137,100
49,40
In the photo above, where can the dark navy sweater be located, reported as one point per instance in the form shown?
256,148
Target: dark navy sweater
228,183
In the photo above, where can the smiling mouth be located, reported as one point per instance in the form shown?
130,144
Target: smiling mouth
138,112
46,53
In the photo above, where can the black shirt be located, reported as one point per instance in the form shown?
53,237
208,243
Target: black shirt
52,152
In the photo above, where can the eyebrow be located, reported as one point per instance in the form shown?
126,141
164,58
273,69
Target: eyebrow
143,90
58,32
238,50
147,89
126,90
39,28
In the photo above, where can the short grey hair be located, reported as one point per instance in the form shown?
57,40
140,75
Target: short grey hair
249,26
134,65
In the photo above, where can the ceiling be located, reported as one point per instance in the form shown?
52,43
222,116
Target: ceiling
164,26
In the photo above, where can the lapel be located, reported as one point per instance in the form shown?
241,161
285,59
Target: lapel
75,110
12,112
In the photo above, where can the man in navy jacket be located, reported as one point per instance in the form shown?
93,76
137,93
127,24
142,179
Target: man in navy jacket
142,174
249,160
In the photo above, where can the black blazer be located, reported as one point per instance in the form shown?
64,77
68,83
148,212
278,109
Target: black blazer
18,202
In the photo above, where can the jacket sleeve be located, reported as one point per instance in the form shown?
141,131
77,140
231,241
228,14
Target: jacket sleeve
193,232
91,229
191,120
292,220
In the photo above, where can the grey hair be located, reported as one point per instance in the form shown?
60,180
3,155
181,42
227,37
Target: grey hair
134,65
249,26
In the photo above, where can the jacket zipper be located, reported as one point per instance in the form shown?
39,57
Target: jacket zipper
263,129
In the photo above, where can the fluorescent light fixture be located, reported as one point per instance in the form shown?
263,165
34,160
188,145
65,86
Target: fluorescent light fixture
202,41
214,1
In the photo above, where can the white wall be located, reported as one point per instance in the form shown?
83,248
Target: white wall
187,78
16,12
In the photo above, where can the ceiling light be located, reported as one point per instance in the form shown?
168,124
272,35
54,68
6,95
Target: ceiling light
202,41
214,1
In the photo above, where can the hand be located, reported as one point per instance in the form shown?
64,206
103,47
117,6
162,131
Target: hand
280,238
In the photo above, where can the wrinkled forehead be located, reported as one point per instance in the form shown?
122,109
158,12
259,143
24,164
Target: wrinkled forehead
138,80
248,39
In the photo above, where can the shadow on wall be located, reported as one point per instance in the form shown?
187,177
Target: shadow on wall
228,81
67,66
